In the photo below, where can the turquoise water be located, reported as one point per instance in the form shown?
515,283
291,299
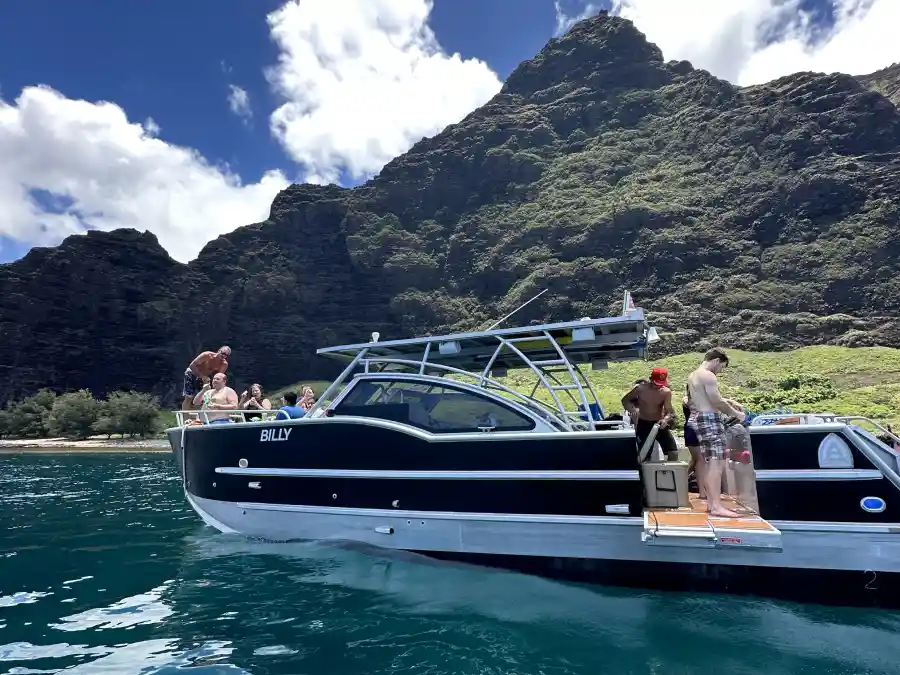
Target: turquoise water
104,569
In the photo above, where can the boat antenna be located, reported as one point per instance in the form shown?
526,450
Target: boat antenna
497,323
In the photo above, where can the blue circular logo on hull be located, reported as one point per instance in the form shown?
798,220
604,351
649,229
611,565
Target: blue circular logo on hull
872,504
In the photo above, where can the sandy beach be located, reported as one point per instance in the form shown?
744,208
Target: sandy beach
93,444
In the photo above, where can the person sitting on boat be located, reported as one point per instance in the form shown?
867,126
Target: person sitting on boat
307,398
289,409
253,399
650,403
216,396
708,413
203,367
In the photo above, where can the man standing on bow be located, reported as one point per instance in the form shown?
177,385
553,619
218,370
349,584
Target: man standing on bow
650,403
199,372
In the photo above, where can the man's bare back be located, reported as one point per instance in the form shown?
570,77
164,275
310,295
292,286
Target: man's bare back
650,401
209,363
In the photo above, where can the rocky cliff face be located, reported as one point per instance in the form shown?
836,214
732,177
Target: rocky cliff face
885,81
762,217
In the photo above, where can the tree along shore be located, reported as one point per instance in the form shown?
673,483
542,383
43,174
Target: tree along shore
47,418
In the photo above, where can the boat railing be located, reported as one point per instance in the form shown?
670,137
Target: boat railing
793,418
887,432
822,418
485,382
554,353
569,419
189,417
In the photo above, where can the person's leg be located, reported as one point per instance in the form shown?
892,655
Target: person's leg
642,430
668,444
699,467
715,467
188,390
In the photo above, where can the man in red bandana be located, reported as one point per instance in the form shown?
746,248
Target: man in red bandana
649,403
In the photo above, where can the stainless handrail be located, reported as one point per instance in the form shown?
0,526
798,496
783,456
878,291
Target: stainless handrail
886,432
181,416
531,403
825,417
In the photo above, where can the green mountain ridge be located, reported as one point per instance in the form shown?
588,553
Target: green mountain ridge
760,218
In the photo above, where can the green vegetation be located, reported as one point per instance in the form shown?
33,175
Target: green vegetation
842,380
78,415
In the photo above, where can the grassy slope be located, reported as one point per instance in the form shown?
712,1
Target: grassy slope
842,380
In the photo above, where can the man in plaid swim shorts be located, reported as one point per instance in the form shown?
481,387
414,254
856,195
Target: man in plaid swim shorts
708,412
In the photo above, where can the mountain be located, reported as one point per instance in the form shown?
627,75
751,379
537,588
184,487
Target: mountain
885,81
760,218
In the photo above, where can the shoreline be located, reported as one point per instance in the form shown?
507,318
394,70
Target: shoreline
90,445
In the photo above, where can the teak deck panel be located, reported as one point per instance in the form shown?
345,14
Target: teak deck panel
695,516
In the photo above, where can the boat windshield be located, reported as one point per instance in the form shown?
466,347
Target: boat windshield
439,408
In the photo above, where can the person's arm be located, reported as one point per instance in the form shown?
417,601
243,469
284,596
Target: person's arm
198,399
266,404
711,388
629,399
669,411
198,362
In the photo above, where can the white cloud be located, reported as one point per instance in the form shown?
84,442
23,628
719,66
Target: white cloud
755,41
564,20
362,81
102,170
239,102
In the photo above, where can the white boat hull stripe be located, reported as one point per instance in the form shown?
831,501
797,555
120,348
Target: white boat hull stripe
787,475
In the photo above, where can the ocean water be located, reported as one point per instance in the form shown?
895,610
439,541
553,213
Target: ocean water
104,569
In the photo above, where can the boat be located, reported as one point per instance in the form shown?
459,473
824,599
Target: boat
424,445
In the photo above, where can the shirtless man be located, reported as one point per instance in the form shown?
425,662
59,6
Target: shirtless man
201,369
649,403
708,413
217,396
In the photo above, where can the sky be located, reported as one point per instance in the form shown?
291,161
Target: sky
187,117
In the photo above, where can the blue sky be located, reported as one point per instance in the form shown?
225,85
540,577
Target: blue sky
173,62
178,72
